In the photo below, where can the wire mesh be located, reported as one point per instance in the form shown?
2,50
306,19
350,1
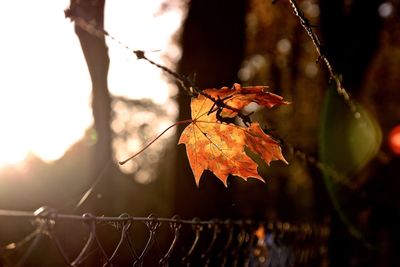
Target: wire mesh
153,241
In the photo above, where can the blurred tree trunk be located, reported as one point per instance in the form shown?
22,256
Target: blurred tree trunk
96,54
212,52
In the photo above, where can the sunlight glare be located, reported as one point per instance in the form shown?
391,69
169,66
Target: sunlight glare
45,85
136,78
44,96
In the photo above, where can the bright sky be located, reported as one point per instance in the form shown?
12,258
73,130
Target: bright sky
44,82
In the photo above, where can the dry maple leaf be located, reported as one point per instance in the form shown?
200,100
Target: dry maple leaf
238,97
220,147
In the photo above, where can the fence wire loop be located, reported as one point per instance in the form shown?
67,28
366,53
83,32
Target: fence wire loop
241,240
198,228
248,249
126,224
91,222
175,226
48,216
224,252
45,216
44,211
124,227
152,225
215,225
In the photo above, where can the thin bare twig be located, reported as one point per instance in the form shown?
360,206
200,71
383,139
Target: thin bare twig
185,82
323,168
322,56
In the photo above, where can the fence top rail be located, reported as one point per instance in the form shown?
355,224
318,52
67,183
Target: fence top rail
47,213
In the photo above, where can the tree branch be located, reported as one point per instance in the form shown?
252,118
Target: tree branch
95,30
322,56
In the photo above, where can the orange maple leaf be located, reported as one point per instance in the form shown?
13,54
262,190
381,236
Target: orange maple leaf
238,97
219,147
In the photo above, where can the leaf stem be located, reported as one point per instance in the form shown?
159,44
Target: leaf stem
155,139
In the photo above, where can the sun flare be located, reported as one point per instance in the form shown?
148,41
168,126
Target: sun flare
45,86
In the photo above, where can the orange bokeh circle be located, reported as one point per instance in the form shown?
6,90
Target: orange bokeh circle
394,140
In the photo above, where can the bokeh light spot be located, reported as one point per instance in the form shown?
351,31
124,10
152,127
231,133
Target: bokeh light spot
385,10
394,140
284,46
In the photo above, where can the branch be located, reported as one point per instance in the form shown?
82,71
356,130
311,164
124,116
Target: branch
322,56
189,86
185,82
